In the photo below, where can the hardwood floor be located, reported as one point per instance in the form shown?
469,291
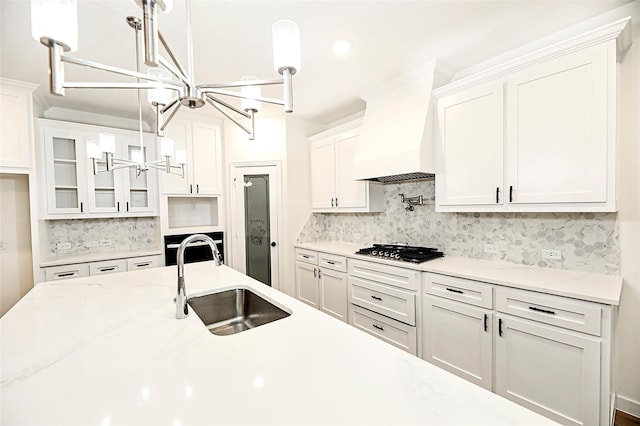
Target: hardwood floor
624,419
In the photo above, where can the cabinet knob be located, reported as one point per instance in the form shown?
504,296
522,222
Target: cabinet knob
273,244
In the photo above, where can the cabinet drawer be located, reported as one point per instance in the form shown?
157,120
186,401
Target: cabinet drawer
398,334
329,261
66,271
307,256
460,289
388,301
384,274
554,310
143,263
108,267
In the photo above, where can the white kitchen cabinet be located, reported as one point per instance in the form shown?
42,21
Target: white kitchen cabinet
16,120
535,134
203,171
333,188
71,190
457,327
552,371
100,267
65,272
107,267
321,281
384,328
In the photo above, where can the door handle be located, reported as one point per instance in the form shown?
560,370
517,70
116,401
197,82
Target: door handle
497,195
486,322
500,327
273,244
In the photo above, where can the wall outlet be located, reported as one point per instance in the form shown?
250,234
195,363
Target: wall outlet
551,254
63,246
105,243
94,243
491,248
3,245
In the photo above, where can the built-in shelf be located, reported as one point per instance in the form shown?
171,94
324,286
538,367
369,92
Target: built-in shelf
190,212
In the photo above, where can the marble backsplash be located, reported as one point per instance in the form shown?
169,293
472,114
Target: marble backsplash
588,241
133,233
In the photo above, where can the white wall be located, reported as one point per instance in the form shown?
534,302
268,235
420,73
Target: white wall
628,332
16,273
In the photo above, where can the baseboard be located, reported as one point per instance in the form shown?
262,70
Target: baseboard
628,406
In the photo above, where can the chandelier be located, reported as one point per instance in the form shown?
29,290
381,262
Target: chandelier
169,84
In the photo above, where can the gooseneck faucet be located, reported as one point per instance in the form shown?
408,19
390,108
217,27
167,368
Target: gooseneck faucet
182,309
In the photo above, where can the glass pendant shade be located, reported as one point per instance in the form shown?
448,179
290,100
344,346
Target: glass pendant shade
181,156
166,147
93,150
251,91
56,20
107,142
137,156
286,46
160,96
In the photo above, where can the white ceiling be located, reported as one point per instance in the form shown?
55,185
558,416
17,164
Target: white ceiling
233,38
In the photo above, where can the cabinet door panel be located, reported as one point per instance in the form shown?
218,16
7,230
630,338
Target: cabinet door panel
206,158
546,369
323,174
350,193
333,293
15,124
457,337
307,283
471,146
557,130
139,191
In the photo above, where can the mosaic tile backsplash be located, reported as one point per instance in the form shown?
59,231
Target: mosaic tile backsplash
588,241
133,233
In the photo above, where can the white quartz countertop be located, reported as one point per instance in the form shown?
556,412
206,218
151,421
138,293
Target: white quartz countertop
96,257
107,350
578,285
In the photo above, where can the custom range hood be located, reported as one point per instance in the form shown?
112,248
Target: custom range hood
396,140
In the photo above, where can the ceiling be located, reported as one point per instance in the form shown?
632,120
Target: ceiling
233,38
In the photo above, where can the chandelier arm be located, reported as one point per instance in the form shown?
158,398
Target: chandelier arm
238,95
212,102
178,65
173,113
167,65
169,106
242,83
104,85
229,106
116,70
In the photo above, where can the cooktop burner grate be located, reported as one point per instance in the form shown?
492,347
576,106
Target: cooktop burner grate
411,254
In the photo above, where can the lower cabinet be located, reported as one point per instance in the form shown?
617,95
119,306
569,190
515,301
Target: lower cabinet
458,338
548,353
321,281
552,371
77,270
391,331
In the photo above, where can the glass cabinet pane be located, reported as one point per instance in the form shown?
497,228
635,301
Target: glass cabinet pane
64,149
65,173
66,198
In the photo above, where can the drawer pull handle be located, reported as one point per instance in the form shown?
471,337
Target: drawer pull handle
486,322
142,265
544,311
330,262
315,272
378,327
110,268
455,290
66,274
305,256
376,298
500,327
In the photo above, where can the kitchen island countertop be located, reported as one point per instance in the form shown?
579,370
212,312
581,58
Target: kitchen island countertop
107,350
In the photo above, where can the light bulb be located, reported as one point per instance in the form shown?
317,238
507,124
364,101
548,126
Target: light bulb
137,156
286,46
181,156
251,91
93,150
56,20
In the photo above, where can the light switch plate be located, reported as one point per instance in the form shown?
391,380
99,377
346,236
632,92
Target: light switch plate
551,254
491,248
3,245
94,243
63,246
105,242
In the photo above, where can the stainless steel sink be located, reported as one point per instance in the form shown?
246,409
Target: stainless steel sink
233,311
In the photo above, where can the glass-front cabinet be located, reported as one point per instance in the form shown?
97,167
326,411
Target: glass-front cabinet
72,189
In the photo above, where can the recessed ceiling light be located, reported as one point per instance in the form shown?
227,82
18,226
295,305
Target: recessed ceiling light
341,47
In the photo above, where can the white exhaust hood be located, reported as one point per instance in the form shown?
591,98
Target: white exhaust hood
396,140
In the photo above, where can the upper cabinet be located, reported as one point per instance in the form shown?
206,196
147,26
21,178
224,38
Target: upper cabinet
16,123
536,134
71,190
333,188
203,171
